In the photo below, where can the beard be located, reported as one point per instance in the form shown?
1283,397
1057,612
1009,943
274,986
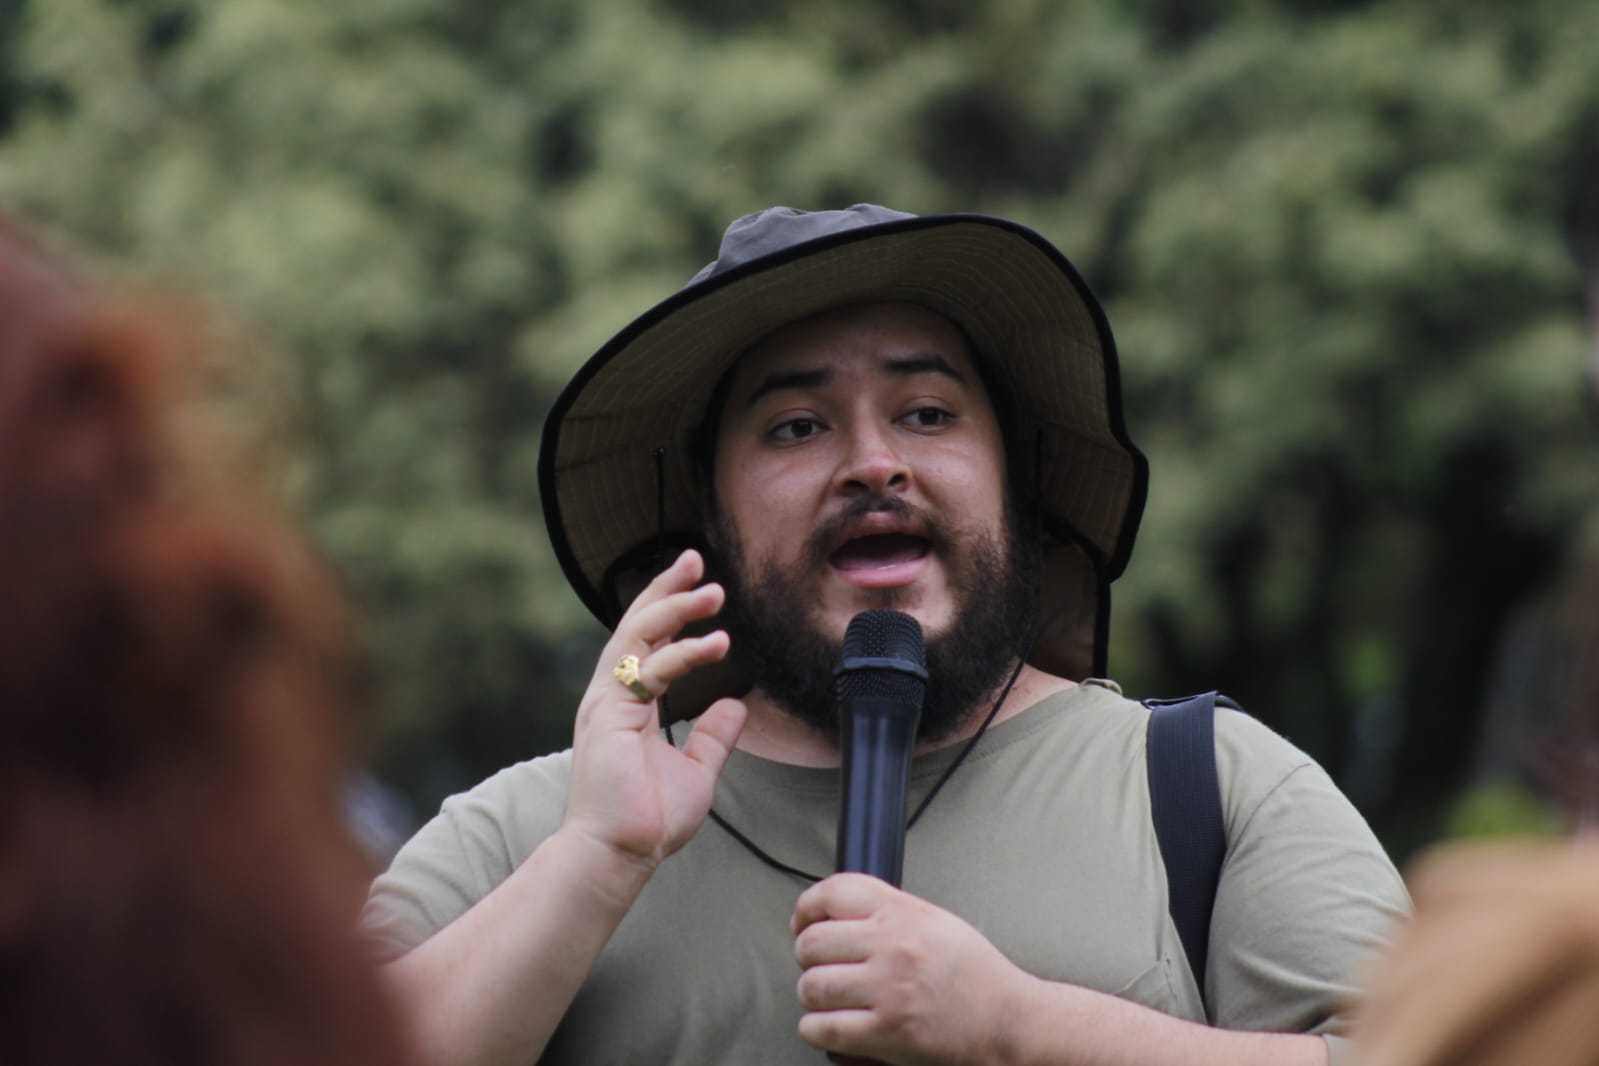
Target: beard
778,639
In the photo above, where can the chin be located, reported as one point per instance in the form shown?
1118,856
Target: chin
934,620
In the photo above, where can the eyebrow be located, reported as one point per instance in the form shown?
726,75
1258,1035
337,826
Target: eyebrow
928,363
789,379
897,366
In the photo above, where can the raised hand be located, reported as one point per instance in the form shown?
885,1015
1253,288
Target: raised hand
631,790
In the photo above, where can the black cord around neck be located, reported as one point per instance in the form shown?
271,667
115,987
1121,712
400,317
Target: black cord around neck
757,851
783,867
661,560
970,744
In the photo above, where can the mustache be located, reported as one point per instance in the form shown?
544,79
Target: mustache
825,539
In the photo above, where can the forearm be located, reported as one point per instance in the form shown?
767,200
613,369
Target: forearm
1057,1023
490,988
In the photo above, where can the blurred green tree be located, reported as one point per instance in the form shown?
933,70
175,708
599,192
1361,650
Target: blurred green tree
1343,246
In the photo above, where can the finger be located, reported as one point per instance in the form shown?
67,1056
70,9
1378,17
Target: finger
848,1031
715,734
645,680
841,987
671,661
660,620
684,573
840,896
830,943
643,629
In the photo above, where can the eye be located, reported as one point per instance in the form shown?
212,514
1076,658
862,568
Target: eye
794,429
928,418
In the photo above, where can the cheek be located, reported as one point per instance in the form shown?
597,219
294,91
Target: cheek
759,478
987,474
973,482
763,504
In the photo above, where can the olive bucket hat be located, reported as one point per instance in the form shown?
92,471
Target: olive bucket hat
620,475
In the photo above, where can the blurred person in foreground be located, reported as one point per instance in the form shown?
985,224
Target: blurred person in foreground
175,884
1501,964
851,410
1500,968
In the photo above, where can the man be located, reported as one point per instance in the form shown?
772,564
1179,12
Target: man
848,410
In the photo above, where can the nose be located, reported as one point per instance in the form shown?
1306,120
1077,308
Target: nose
872,464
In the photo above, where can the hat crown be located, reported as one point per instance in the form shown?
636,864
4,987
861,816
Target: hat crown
762,233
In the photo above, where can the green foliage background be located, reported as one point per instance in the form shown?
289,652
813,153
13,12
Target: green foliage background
1344,246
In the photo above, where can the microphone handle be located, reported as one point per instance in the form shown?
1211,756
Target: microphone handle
877,739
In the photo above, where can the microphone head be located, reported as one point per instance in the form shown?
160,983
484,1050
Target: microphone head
883,657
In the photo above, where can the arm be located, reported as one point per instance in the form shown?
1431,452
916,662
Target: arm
891,977
491,987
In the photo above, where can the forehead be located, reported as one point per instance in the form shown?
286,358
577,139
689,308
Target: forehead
874,332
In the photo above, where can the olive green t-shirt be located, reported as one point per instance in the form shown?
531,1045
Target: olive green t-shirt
1042,840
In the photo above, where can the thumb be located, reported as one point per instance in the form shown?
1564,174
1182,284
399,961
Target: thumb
715,734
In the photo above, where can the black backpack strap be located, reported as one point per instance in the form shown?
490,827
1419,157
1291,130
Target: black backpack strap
1185,802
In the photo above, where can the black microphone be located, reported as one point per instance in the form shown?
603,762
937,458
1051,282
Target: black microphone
879,682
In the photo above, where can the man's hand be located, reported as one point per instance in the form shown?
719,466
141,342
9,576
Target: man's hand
631,790
893,978
490,987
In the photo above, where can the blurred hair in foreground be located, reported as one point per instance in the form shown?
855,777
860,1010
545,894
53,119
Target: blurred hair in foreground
175,884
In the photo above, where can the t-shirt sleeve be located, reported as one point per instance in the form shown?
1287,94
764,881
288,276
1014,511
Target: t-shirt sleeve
477,839
1307,895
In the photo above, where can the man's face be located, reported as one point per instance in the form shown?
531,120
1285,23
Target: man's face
859,465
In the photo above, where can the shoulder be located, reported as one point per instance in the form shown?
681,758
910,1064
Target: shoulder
1258,768
516,798
1241,737
475,841
1090,723
1246,750
1252,758
497,823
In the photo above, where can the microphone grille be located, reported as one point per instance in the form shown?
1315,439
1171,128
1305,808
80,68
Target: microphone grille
884,635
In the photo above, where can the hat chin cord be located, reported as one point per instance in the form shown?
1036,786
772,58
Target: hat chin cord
1021,660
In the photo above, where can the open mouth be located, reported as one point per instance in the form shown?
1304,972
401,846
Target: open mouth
878,551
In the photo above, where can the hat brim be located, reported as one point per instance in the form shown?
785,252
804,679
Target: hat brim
617,471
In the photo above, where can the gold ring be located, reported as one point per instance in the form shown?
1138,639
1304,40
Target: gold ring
626,671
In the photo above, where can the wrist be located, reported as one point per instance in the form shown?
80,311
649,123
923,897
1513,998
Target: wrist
1030,1000
613,875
